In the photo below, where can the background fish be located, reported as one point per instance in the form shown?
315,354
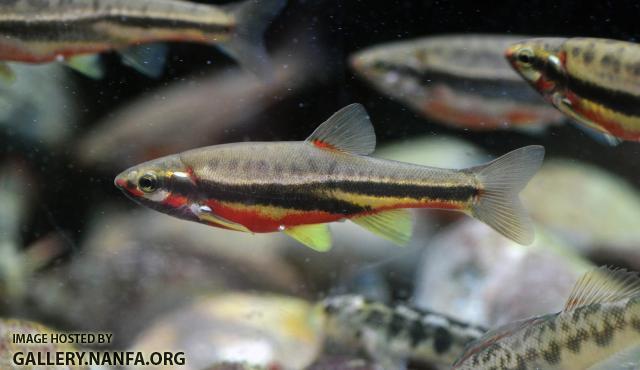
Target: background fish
460,80
597,329
40,31
298,187
395,335
593,81
189,114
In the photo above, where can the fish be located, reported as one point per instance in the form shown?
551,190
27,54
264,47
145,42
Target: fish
459,80
154,124
598,328
394,335
595,82
76,31
298,187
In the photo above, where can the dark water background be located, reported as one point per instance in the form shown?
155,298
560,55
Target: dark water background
67,194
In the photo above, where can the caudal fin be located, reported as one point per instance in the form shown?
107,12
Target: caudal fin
246,45
498,205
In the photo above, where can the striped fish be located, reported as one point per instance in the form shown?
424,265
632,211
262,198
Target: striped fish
396,335
459,80
299,187
596,82
40,31
598,329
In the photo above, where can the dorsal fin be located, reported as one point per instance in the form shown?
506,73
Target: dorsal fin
603,285
348,130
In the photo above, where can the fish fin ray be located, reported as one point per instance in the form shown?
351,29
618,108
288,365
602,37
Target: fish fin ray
6,73
348,130
207,215
148,59
89,65
316,236
494,336
498,204
394,225
590,128
603,285
246,45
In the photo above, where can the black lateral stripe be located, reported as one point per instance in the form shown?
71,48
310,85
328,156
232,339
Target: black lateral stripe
309,196
619,101
58,30
488,88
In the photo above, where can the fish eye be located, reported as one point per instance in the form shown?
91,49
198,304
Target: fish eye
148,183
525,56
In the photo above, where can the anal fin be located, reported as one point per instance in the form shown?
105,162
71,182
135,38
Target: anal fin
395,225
148,59
316,237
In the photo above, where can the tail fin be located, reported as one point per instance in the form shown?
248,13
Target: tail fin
246,44
499,206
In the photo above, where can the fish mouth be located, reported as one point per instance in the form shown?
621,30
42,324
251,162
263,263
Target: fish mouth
121,181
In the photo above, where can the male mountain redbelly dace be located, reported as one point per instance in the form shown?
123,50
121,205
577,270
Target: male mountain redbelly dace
299,187
74,31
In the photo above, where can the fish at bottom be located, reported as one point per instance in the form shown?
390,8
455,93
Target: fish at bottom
395,335
598,329
299,187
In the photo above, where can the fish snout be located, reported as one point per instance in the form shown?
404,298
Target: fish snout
125,181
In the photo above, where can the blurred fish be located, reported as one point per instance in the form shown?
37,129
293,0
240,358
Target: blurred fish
8,348
277,332
40,106
188,114
459,80
298,187
395,335
564,197
41,31
135,266
475,276
597,329
594,81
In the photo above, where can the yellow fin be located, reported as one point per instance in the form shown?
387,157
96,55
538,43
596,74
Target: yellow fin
316,237
348,130
395,225
6,73
89,65
603,285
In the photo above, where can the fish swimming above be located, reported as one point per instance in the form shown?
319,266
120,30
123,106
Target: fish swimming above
459,80
41,31
395,335
299,187
596,82
598,329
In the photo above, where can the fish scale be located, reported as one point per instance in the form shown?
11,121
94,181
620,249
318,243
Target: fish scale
397,334
299,187
589,333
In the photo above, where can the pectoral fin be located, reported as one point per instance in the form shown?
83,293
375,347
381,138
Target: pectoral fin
316,237
395,225
89,65
6,73
205,214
